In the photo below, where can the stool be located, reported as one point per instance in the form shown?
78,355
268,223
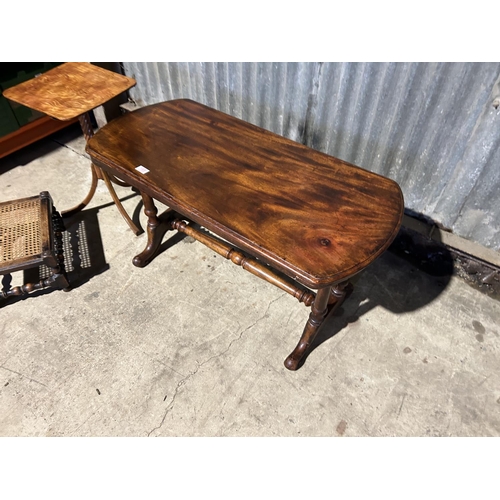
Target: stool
30,236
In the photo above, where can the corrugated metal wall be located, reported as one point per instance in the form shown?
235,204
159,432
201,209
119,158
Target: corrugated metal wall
432,127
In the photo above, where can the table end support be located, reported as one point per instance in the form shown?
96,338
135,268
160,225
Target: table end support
156,229
327,300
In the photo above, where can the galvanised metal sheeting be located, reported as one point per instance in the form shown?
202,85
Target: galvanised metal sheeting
432,127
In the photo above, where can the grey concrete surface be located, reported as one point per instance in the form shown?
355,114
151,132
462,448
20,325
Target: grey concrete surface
194,346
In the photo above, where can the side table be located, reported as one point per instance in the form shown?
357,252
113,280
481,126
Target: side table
71,91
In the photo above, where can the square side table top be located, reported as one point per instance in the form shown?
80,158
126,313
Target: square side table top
69,90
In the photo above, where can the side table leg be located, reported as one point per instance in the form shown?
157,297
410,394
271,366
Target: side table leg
98,173
319,310
90,195
156,229
118,204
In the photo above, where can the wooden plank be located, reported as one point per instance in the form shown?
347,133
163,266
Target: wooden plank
30,133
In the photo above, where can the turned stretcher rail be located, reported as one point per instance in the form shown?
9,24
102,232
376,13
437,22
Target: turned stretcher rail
251,265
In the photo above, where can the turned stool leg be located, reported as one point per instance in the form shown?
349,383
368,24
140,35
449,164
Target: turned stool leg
155,229
319,310
59,270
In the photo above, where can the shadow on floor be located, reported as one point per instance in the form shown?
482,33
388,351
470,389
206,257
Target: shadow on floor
40,148
83,249
410,275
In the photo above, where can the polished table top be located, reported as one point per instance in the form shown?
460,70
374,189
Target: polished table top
316,218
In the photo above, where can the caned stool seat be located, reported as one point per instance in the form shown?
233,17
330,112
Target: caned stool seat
30,236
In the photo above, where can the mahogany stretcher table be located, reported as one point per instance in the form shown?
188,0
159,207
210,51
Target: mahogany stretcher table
298,218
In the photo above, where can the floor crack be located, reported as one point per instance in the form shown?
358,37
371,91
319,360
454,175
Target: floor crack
83,155
171,405
245,330
185,379
21,375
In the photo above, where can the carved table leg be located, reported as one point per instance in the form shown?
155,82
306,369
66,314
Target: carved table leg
319,310
156,229
338,295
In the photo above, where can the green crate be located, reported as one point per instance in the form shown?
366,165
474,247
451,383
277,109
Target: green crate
8,122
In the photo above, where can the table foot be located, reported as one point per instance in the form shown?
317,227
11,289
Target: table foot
327,300
156,229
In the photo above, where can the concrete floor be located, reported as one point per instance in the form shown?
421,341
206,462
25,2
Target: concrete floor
194,346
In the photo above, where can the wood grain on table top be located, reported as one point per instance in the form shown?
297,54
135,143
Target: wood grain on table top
69,90
312,216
